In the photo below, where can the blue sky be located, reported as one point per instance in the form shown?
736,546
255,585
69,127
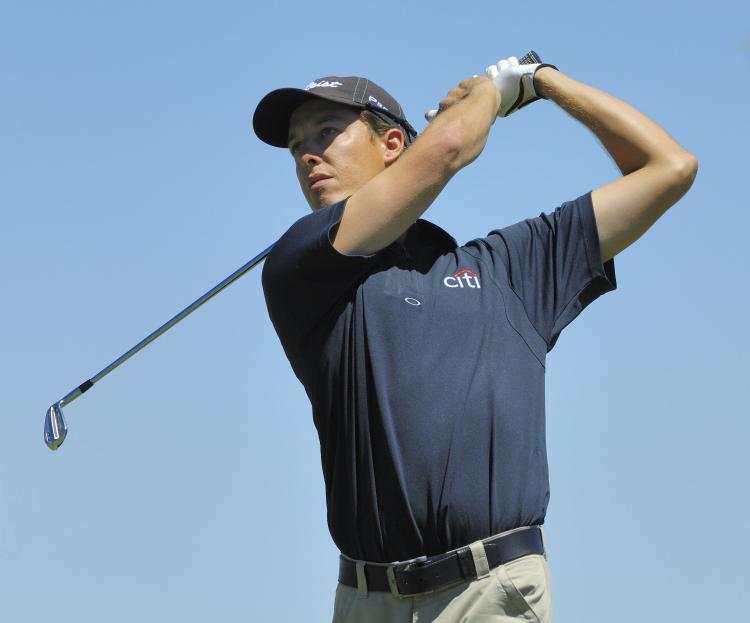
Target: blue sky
189,487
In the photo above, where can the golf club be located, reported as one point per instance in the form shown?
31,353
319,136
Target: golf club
55,428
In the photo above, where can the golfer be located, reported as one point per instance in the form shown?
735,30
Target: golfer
424,360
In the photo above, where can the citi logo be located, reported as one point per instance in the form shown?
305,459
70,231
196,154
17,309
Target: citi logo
323,83
464,278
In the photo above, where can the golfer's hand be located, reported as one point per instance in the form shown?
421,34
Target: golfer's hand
515,83
478,84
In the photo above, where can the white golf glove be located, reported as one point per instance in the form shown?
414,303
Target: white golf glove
515,83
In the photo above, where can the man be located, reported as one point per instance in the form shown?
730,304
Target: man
424,360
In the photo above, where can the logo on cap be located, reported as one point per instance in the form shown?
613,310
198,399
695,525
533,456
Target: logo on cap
372,100
323,83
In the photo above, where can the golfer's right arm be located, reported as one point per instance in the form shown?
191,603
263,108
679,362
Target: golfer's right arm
386,206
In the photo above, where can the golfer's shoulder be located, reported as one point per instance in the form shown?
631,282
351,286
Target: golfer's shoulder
307,237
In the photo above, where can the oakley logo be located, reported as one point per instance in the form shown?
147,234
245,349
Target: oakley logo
464,278
323,83
412,301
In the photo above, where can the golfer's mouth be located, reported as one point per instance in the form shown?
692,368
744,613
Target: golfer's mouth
317,180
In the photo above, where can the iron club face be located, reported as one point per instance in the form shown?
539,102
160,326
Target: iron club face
55,428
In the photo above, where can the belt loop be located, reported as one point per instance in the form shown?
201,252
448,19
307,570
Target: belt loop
361,580
481,564
544,542
390,574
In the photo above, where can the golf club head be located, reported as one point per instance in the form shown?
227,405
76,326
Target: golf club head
55,428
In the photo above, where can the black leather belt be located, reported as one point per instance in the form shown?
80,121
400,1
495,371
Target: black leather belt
429,574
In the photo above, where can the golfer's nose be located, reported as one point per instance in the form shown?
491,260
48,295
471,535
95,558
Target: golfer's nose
310,158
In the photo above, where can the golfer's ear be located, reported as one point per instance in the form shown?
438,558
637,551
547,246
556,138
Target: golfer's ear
393,141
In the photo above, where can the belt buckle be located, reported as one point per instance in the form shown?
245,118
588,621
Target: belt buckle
390,573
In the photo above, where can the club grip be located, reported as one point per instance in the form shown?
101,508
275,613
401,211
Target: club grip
530,58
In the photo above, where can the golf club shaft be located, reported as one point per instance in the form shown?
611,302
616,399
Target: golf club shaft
85,386
55,427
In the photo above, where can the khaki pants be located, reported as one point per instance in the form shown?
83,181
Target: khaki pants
516,591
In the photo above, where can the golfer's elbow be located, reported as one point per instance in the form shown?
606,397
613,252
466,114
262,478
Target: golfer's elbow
688,168
681,169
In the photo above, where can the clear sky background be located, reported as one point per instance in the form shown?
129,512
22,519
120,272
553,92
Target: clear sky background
189,488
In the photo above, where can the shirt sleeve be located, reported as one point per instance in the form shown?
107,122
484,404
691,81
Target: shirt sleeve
305,277
554,264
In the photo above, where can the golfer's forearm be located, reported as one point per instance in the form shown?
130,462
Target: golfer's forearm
632,139
388,204
460,132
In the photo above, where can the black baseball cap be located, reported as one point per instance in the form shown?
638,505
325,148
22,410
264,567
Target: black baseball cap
271,118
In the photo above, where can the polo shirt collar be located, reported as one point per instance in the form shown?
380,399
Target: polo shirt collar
430,230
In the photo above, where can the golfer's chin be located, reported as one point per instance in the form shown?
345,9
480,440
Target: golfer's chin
323,198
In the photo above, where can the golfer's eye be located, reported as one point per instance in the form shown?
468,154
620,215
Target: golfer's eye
328,131
294,148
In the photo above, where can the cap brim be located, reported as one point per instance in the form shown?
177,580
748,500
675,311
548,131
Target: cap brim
271,118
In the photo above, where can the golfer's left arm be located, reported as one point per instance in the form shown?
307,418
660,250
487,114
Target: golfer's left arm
656,170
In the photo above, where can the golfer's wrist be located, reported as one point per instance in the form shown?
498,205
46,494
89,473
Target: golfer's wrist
544,80
486,90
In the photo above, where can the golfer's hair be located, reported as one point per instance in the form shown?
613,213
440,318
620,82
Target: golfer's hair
379,125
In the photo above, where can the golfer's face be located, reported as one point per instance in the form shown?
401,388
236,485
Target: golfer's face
334,152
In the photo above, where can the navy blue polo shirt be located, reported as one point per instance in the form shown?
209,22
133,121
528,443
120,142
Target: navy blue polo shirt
424,364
